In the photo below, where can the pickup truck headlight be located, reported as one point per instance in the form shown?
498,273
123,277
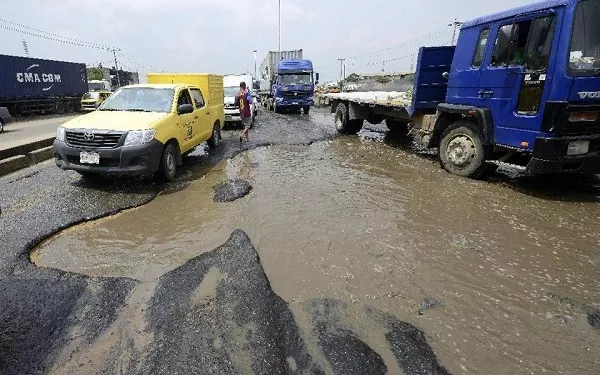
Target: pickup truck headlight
139,137
60,134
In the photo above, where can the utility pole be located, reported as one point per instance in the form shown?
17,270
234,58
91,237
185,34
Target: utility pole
26,48
114,51
342,75
455,24
279,25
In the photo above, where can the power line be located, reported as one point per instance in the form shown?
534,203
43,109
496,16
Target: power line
56,36
67,40
437,32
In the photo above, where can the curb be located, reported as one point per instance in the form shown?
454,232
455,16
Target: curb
35,156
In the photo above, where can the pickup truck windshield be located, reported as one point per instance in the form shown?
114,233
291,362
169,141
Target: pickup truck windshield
140,99
295,79
231,91
91,95
584,57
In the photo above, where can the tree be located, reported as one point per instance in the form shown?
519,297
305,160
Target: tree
95,74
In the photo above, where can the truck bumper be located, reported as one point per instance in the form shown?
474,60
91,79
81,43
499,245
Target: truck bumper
127,160
232,115
550,157
295,103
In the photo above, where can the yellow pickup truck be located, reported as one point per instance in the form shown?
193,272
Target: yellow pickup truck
145,128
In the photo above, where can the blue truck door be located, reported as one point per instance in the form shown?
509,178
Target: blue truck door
514,85
464,82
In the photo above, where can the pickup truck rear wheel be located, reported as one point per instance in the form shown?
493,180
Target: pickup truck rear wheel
168,163
461,151
342,124
213,142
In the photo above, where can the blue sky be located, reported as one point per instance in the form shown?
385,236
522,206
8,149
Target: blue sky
216,36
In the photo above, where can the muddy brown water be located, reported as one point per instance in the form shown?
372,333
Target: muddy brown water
370,224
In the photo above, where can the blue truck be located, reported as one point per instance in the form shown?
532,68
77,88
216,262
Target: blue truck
521,87
288,82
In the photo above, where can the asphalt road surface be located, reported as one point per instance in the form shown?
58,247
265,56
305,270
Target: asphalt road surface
216,314
23,132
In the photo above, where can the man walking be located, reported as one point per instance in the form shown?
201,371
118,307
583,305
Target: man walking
243,100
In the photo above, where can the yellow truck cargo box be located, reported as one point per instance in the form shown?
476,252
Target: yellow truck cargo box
211,85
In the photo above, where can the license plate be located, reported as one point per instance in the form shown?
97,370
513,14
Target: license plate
89,157
294,102
227,117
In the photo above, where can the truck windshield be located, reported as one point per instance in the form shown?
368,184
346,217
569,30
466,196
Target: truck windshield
584,57
145,99
232,91
91,95
95,86
295,79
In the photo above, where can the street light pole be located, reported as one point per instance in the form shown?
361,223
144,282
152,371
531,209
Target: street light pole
255,73
279,25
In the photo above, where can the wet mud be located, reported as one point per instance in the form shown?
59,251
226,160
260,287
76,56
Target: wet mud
216,313
364,223
352,238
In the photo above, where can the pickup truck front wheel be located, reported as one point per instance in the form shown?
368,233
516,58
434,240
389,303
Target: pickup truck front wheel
214,141
342,124
168,163
461,151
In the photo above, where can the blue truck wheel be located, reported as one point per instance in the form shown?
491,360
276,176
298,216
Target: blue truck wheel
461,151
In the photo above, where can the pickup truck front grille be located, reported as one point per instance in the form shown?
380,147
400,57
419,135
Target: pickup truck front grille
85,139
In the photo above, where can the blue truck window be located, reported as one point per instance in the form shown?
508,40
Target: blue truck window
480,48
539,45
584,56
510,44
536,58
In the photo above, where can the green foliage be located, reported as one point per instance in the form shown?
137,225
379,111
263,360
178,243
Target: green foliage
95,74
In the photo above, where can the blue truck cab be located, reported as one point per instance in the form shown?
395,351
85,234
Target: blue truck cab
521,87
294,85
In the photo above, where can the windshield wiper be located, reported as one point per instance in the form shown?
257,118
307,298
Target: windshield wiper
109,109
137,110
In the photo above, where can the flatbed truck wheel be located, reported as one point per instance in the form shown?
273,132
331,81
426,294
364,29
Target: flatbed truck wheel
397,127
342,124
461,150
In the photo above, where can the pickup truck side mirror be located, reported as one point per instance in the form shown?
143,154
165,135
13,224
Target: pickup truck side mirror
185,109
446,75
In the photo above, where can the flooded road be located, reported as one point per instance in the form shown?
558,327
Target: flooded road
514,266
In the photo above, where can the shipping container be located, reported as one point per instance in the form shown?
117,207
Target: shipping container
211,85
27,78
29,85
267,68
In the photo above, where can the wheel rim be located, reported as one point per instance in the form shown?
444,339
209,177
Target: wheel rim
216,136
461,150
170,162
